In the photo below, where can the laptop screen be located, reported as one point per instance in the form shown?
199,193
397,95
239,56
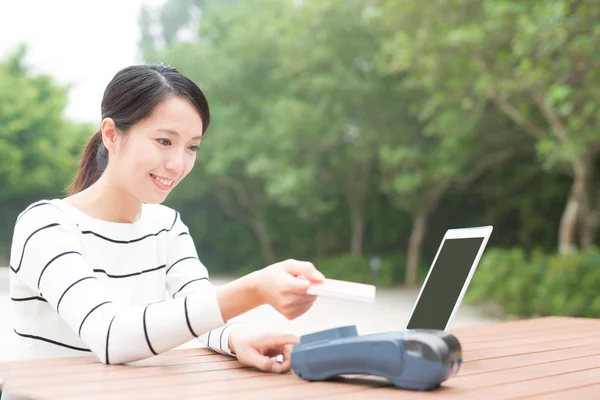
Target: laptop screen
446,279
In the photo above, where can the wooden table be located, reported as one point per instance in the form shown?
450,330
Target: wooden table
545,358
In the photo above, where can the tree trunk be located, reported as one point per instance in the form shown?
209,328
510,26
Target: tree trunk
355,190
573,208
266,248
589,220
588,233
589,214
357,218
414,249
248,201
566,231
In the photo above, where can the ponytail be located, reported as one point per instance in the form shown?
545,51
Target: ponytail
92,165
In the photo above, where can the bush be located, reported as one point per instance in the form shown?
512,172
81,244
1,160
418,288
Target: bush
357,269
538,284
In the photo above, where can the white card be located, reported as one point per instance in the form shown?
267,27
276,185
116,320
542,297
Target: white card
343,290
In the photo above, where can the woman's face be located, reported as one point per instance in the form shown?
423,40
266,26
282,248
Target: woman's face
158,152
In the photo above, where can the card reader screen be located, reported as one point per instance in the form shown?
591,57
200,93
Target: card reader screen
444,284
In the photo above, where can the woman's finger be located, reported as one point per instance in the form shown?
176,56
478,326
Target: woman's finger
258,360
300,308
304,268
296,285
281,358
286,365
275,341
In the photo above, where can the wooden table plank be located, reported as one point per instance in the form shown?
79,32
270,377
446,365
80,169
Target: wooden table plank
557,357
582,392
494,353
497,364
527,326
524,373
542,338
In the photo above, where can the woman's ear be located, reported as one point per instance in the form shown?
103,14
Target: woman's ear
109,133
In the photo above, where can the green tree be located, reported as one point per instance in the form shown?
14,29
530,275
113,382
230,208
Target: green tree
38,147
355,126
331,112
236,136
536,62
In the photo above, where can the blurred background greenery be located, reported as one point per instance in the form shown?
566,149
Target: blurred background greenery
344,130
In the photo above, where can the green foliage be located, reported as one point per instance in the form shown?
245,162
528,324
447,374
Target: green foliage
38,148
357,269
32,139
330,120
537,63
508,279
336,124
538,284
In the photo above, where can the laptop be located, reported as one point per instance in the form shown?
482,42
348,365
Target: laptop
448,278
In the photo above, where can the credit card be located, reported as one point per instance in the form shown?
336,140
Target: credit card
343,290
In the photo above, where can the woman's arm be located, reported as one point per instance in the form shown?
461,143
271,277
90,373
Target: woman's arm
47,256
186,275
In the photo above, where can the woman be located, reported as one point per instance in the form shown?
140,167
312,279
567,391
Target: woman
89,272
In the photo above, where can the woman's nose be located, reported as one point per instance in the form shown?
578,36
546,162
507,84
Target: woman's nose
175,163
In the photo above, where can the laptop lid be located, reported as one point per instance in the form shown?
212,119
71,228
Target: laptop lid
448,278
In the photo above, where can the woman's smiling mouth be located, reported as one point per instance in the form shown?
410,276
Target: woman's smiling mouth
162,183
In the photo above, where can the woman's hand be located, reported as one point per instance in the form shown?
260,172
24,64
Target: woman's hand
260,350
283,286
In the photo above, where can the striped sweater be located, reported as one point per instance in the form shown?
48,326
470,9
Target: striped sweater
122,292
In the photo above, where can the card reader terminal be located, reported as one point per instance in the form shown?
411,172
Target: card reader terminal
417,359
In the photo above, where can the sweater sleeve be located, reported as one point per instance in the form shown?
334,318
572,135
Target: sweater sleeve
47,256
187,275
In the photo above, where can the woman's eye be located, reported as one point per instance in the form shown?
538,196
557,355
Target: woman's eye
164,142
194,148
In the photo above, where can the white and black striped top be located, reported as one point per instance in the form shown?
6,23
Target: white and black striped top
122,292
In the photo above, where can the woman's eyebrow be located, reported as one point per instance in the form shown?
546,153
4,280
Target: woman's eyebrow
175,133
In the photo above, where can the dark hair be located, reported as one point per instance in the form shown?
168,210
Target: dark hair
129,98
